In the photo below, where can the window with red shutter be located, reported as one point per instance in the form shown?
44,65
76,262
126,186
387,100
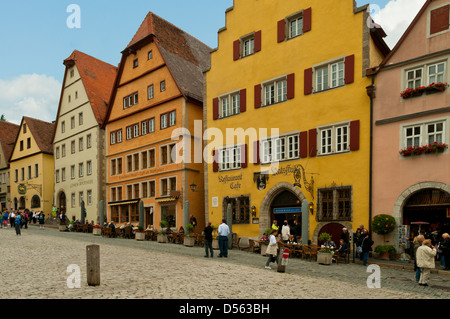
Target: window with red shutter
307,20
354,135
290,86
303,144
243,100
313,142
244,157
257,96
308,81
256,156
258,41
281,33
236,50
440,19
349,69
215,161
215,109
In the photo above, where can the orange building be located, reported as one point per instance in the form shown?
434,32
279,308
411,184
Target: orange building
158,90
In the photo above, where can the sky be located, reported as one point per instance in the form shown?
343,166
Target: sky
35,38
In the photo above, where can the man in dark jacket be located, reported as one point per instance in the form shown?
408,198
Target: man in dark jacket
208,240
445,246
366,244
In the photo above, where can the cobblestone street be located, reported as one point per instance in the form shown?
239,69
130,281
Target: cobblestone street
149,270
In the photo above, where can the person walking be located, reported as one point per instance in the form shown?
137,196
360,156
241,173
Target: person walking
445,246
272,249
425,260
5,218
208,240
418,241
17,223
41,218
223,232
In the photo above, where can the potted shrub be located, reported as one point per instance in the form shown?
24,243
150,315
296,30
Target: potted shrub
189,238
382,225
386,251
97,231
325,254
140,234
162,235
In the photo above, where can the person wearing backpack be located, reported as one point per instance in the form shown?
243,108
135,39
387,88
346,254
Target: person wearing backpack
17,222
41,219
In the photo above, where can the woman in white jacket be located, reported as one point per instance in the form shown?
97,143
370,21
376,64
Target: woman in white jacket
272,249
425,261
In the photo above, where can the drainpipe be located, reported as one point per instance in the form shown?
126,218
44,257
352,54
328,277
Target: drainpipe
371,93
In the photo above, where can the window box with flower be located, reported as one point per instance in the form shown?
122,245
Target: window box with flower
140,234
430,89
97,230
434,148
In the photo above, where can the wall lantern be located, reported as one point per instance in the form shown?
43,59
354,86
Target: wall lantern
194,188
311,208
253,211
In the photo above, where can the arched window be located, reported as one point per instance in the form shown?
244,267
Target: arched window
35,202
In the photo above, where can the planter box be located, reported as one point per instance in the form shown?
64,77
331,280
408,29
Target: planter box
189,241
162,238
263,249
215,244
62,227
384,256
97,231
324,258
140,236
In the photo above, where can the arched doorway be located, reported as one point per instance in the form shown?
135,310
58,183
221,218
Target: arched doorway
334,229
22,202
429,206
286,206
266,208
62,202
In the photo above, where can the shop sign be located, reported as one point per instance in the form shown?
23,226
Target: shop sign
22,189
232,181
290,210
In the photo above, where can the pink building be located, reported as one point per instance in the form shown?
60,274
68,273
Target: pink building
411,125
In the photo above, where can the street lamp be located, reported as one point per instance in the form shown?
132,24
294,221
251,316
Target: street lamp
193,187
311,208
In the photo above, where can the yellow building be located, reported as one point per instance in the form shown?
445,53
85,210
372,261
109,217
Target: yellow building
287,92
32,168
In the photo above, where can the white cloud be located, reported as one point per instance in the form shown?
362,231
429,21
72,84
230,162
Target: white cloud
396,17
31,95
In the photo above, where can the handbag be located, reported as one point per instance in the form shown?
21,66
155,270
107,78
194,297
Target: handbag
359,250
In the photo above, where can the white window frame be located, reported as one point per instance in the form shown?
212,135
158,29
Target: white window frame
424,136
172,118
285,147
329,138
277,93
425,70
150,92
151,125
298,20
230,157
230,104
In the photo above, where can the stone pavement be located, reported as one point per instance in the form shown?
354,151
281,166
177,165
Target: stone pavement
149,270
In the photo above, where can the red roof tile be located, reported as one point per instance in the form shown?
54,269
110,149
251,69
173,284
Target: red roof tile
8,135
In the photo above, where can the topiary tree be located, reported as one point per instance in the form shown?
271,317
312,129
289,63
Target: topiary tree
383,224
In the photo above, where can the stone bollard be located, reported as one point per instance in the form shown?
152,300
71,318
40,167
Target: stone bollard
93,265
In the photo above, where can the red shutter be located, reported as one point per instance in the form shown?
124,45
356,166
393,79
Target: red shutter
313,142
439,19
291,86
236,50
308,81
281,30
215,161
258,41
243,100
307,22
257,96
215,109
256,159
349,69
304,144
244,156
354,135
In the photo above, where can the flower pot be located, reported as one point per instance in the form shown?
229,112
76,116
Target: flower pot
324,258
162,238
189,241
384,255
215,244
140,236
97,231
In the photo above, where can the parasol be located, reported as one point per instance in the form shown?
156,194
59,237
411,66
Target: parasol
420,224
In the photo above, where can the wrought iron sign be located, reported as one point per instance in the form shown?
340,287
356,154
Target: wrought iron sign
299,172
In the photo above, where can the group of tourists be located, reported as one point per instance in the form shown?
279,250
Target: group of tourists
20,219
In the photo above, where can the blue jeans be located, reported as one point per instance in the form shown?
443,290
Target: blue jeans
418,274
208,246
223,246
365,255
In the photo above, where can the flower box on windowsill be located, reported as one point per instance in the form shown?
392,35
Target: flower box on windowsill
434,148
430,89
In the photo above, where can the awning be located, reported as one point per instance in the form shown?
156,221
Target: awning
166,199
129,202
